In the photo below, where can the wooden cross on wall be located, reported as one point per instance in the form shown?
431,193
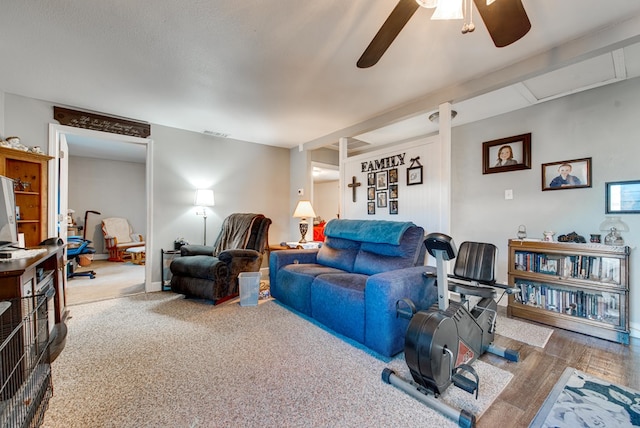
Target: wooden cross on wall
353,186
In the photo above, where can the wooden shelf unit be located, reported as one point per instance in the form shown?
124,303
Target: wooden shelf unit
30,168
578,287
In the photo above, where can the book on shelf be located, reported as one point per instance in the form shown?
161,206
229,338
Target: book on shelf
602,269
601,306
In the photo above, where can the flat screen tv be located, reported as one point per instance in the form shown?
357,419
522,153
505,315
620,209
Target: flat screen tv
8,224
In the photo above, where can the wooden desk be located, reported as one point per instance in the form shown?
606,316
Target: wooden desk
21,275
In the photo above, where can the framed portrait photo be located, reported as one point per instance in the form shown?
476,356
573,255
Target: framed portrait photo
414,175
506,154
622,197
393,207
371,193
371,208
393,175
393,191
371,179
381,180
569,174
381,199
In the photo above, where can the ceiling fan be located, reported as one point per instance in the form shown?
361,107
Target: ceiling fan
506,21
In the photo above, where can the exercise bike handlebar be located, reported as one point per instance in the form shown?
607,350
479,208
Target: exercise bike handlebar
508,288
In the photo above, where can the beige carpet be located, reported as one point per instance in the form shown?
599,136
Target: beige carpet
525,332
113,279
157,360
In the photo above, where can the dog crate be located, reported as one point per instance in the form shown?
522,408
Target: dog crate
25,370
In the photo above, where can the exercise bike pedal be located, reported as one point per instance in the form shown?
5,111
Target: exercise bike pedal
463,382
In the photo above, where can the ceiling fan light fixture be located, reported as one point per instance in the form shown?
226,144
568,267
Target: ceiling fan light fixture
429,4
435,116
448,9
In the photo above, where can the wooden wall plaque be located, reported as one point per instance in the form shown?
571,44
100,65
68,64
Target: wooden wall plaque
98,122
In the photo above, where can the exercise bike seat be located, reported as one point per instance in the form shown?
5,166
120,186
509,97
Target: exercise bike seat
474,270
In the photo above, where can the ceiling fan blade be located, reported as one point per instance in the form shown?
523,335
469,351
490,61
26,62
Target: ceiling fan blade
396,21
506,20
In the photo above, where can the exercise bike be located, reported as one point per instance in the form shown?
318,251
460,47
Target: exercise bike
443,341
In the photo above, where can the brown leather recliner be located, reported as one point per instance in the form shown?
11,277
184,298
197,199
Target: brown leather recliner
211,272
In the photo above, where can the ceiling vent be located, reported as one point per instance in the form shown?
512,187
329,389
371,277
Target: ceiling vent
352,145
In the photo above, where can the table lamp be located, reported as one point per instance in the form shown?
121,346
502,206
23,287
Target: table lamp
204,199
303,211
614,225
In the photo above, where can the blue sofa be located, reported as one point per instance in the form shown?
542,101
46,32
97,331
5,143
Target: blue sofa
352,283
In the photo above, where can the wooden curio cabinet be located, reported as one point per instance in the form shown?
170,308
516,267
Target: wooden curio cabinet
30,172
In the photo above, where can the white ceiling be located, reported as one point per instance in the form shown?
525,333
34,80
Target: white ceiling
283,73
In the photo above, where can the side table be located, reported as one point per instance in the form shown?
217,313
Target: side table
167,258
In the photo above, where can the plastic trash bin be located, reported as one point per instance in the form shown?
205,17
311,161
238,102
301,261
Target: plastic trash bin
249,288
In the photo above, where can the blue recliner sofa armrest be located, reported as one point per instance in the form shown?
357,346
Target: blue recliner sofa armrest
281,258
384,331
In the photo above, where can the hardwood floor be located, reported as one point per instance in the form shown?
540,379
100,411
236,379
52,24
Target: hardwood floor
539,369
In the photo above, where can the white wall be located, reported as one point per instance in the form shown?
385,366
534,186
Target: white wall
601,123
2,134
113,188
326,199
420,203
300,171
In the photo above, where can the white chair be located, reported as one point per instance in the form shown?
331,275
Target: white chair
119,237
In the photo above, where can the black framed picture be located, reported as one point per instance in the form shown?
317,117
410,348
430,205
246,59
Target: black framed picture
622,197
393,175
371,208
371,193
393,191
381,181
393,207
381,199
414,175
371,179
569,174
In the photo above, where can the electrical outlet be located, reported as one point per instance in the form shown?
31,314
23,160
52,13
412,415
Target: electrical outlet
300,192
508,194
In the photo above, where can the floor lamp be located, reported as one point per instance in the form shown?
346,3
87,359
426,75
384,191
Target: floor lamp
204,199
304,210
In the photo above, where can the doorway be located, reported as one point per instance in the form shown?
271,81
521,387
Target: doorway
95,153
325,191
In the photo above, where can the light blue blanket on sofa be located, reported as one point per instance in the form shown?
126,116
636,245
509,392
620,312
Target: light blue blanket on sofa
374,231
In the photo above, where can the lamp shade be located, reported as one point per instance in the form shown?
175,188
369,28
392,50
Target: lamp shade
204,198
614,222
304,210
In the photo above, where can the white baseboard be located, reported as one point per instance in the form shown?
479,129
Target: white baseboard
155,286
634,330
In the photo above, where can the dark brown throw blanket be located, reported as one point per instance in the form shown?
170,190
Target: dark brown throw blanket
234,233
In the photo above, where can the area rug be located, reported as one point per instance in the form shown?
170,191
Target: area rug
525,332
582,400
160,360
